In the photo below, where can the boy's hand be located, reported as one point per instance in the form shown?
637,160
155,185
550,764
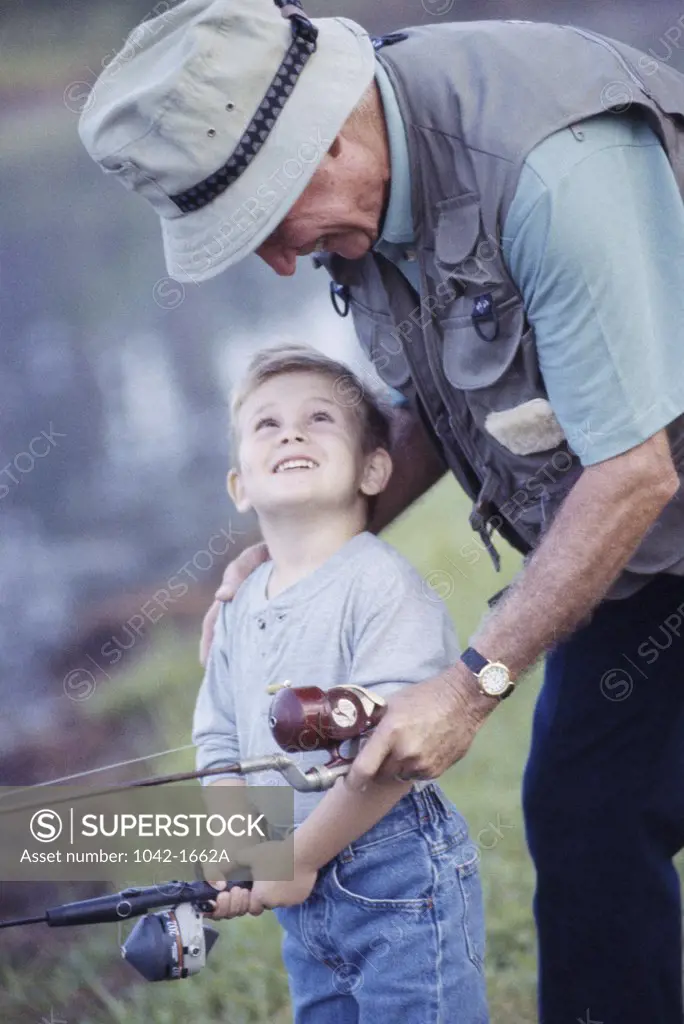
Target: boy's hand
234,903
263,895
284,893
236,573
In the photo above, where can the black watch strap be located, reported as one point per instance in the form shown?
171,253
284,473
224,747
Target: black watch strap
473,660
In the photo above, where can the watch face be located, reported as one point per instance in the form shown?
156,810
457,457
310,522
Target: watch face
495,679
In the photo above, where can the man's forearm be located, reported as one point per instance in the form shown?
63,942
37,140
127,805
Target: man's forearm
599,526
416,467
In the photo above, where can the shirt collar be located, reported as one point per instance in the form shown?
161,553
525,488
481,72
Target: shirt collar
397,228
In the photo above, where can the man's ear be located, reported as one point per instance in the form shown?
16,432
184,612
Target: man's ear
236,491
377,472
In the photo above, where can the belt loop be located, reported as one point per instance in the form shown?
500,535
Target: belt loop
424,806
346,855
442,812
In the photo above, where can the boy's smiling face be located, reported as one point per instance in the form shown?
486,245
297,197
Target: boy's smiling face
300,445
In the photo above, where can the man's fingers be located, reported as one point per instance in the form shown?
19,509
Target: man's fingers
368,761
239,569
208,623
394,769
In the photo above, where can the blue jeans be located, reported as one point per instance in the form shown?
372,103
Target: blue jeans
604,808
393,930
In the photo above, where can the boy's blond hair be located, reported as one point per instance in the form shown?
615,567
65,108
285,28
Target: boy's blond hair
372,412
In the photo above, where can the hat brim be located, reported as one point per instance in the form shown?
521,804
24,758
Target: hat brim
201,244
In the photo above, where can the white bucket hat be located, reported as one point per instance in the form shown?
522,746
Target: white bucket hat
218,112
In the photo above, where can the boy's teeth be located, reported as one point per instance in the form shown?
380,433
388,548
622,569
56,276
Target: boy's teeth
295,464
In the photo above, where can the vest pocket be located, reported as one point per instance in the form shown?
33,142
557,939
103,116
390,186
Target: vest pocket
380,341
500,401
458,227
470,360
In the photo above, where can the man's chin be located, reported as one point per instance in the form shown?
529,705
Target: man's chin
351,248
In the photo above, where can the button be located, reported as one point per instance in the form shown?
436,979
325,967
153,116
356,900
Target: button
261,624
410,255
281,616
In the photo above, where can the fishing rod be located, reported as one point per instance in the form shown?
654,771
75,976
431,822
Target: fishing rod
302,719
173,943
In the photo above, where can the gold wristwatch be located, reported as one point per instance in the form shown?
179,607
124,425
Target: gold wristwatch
493,678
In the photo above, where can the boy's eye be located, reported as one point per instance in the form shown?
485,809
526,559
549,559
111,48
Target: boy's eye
321,412
266,420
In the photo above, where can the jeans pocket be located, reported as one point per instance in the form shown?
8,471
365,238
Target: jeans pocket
392,874
467,873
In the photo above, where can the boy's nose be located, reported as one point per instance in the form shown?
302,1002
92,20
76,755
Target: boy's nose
292,434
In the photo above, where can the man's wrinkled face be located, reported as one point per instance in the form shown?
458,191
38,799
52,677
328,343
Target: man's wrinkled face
339,210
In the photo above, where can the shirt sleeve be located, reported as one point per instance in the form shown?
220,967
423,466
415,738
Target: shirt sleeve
397,399
403,631
214,729
594,240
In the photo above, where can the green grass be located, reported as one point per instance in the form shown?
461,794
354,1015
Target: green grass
80,975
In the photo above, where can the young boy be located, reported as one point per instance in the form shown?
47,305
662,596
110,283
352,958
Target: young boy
383,919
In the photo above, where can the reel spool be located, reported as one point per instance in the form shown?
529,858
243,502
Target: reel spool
170,944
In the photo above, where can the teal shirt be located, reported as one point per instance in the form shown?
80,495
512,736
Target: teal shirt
396,240
594,241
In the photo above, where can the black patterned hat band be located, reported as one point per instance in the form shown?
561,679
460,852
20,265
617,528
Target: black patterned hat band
302,45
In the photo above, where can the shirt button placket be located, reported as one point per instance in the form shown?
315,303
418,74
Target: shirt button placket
261,626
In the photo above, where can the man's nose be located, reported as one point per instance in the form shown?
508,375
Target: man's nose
280,259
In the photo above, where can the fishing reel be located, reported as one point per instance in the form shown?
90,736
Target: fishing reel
306,718
164,946
171,944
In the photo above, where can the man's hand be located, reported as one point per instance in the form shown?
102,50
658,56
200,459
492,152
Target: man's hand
236,573
427,727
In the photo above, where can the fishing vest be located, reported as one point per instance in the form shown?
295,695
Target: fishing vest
476,98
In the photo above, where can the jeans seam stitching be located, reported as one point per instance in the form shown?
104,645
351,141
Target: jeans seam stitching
416,904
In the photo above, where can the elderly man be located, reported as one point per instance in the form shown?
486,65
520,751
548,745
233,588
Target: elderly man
498,204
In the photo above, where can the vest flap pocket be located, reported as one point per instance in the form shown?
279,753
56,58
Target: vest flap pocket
458,228
478,349
380,341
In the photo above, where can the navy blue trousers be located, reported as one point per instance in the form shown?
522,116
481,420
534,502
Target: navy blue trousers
603,796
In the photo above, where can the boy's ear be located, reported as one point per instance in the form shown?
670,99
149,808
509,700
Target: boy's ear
236,491
377,472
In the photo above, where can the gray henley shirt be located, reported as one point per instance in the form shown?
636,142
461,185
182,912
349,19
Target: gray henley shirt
364,616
